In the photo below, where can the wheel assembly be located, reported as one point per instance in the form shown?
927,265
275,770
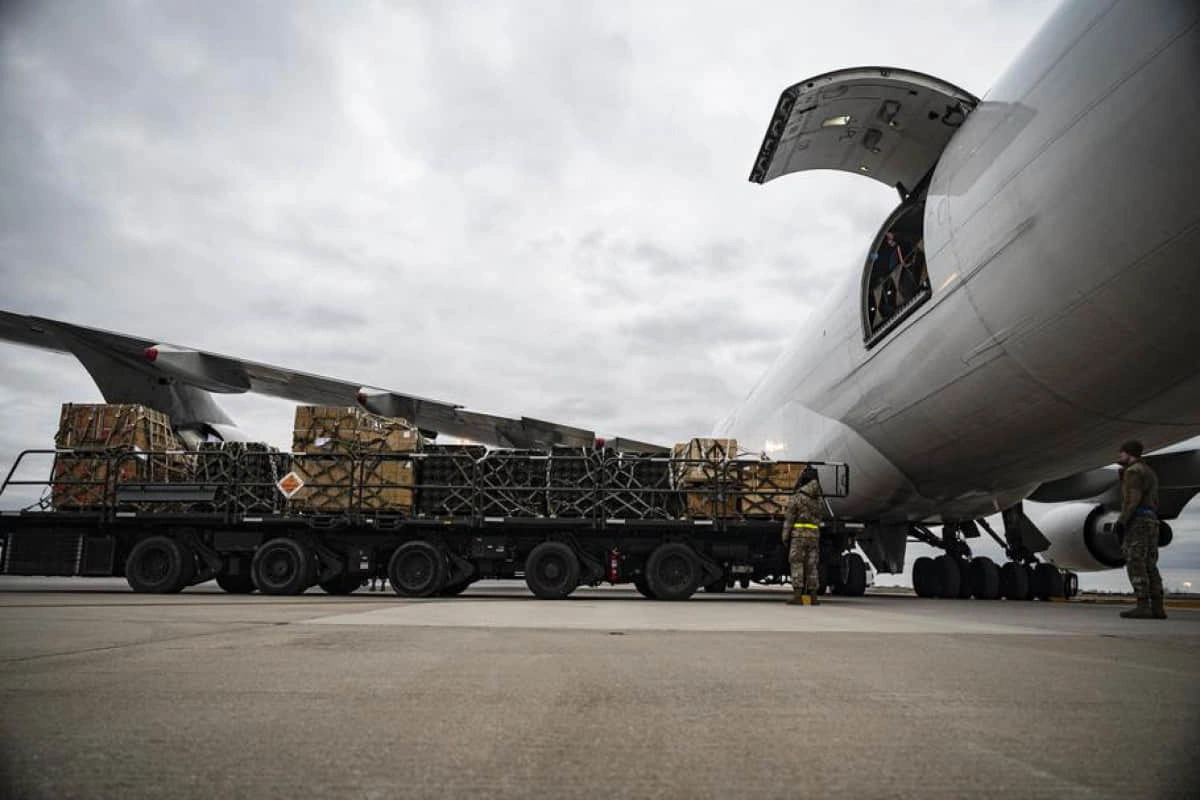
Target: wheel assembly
552,570
159,565
417,569
673,571
283,566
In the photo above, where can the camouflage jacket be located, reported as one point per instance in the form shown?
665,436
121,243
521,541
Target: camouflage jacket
804,506
1139,487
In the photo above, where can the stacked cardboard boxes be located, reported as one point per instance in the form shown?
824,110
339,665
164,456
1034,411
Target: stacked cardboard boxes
766,486
702,473
349,459
112,443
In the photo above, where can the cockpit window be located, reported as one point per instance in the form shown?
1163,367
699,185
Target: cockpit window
896,279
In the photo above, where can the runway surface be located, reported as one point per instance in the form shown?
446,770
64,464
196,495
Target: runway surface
110,694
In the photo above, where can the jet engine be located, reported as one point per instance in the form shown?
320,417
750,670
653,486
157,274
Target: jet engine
1082,539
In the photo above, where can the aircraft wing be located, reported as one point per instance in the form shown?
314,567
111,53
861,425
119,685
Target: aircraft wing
1178,473
181,381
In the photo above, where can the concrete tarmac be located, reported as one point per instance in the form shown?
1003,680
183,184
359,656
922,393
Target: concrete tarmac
105,693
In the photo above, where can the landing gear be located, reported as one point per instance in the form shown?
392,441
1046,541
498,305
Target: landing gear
985,578
851,579
1014,581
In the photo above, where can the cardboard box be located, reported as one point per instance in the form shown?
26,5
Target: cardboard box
702,457
113,443
700,504
350,459
767,486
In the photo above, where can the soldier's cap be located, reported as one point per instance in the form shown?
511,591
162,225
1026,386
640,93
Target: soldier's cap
808,475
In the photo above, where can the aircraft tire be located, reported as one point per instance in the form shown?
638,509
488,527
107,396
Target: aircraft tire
855,572
924,578
1014,581
417,569
284,567
949,577
1048,581
744,582
1030,582
985,578
964,578
552,571
673,571
716,587
159,565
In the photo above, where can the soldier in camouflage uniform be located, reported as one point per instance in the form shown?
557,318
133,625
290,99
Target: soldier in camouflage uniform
801,533
1138,527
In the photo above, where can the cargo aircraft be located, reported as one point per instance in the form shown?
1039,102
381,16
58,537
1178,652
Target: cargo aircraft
1032,301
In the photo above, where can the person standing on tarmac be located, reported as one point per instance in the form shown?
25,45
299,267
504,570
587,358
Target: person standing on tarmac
801,534
1138,529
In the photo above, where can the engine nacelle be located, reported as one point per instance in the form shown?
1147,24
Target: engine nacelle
1082,539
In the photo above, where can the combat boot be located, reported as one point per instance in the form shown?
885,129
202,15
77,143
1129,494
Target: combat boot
1156,607
797,598
1141,611
814,600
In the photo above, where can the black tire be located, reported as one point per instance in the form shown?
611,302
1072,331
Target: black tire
552,571
1030,584
1014,581
639,583
342,585
985,578
159,565
417,569
454,589
236,584
1048,582
949,576
673,571
744,582
283,567
964,578
854,575
925,578
716,587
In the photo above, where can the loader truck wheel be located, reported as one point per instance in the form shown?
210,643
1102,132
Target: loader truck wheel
552,570
236,584
673,572
342,584
417,569
283,566
639,583
159,565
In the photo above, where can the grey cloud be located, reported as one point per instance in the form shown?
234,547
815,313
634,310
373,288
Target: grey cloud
536,210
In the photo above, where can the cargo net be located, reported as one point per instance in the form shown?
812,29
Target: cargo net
447,480
576,478
639,486
512,483
243,476
114,446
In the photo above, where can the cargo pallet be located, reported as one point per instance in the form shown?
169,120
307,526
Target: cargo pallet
558,519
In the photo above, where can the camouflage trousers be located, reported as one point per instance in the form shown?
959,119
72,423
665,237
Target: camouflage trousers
804,553
1140,547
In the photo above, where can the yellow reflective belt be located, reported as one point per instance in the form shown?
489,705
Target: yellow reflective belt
805,525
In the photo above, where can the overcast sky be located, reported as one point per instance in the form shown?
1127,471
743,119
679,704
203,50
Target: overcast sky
531,208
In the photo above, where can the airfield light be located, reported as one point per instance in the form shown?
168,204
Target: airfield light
151,353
